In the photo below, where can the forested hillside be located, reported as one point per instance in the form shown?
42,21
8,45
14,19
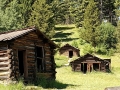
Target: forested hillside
97,21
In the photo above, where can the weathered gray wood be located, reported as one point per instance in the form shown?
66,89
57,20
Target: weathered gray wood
4,58
113,88
5,63
4,77
5,68
5,72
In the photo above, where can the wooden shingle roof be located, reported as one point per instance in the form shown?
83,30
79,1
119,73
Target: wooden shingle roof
68,45
6,36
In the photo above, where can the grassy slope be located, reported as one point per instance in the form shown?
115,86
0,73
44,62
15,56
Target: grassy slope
66,34
69,80
78,80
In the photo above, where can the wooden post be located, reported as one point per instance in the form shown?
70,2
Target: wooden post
83,67
80,67
109,66
88,67
91,67
99,66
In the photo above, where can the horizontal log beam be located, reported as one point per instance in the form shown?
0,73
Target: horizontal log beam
4,58
5,63
5,73
4,68
4,77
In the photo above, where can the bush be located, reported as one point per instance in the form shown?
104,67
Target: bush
75,44
101,49
88,49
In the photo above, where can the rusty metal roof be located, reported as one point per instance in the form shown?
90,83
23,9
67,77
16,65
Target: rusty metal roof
6,36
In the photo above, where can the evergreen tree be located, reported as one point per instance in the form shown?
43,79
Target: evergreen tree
91,22
60,9
25,8
10,19
42,17
79,12
106,8
117,5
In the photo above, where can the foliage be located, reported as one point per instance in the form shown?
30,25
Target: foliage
79,12
42,17
75,44
107,11
107,35
88,49
60,9
25,8
117,10
10,19
91,22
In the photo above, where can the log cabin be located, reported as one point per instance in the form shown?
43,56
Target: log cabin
69,51
89,63
26,53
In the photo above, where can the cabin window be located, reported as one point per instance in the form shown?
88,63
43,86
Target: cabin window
40,56
96,66
70,54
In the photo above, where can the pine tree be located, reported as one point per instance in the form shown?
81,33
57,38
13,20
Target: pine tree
42,17
10,19
25,8
106,8
117,5
79,12
90,24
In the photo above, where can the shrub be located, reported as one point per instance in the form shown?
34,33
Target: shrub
88,49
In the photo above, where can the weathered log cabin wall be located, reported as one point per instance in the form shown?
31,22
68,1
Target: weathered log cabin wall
5,60
90,63
23,50
69,51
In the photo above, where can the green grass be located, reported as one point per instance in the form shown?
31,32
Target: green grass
66,79
65,34
89,81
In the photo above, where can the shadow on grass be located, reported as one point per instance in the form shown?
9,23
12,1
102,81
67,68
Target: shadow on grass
65,40
63,28
62,35
51,84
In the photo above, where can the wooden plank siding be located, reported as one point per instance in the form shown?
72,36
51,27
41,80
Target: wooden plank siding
89,63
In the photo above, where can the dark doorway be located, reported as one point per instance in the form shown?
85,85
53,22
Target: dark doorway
40,55
84,67
22,63
70,54
96,66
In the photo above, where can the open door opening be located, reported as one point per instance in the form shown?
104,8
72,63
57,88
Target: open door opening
84,67
22,63
70,54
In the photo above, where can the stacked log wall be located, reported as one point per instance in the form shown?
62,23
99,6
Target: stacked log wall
5,60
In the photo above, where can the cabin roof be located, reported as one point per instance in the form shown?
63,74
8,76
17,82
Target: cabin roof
68,45
6,36
89,57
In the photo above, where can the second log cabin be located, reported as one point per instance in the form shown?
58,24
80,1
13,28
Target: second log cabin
69,51
26,53
89,63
